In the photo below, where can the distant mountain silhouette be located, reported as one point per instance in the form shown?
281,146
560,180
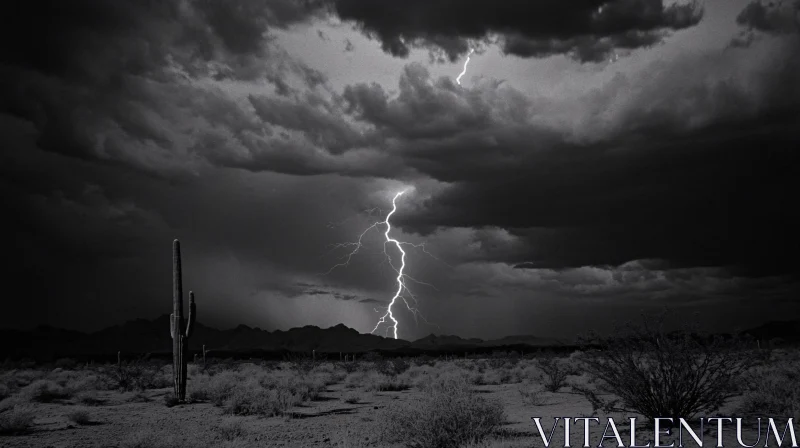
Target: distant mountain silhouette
141,336
786,331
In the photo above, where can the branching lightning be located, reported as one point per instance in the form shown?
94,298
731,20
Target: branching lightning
402,293
458,79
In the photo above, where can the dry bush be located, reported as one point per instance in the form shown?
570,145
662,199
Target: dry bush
230,430
507,374
16,420
435,374
12,381
377,382
349,366
352,398
555,372
170,400
138,397
425,360
532,394
393,366
137,375
772,390
44,391
79,416
255,391
89,398
655,374
449,415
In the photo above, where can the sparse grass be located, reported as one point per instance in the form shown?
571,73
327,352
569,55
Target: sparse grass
450,415
153,439
532,395
16,420
230,430
79,416
138,397
772,390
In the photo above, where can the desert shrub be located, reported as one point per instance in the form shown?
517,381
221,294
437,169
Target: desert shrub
352,398
349,366
532,395
372,357
555,372
89,398
393,366
356,379
449,415
502,375
216,388
21,364
45,391
170,400
79,416
497,360
80,381
230,430
12,381
772,390
302,363
138,397
656,374
137,375
256,391
385,383
434,375
425,360
260,401
16,420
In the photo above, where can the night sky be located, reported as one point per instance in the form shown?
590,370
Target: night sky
599,160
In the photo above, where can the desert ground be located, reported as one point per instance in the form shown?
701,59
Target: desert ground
371,402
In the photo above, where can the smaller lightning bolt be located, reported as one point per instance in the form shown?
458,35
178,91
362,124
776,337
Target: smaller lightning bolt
458,79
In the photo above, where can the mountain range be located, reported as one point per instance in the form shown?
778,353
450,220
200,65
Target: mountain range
141,336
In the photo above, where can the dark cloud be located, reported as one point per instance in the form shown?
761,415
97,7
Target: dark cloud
692,170
587,30
251,158
778,17
111,81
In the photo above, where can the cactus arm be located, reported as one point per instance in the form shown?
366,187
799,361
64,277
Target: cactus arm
172,326
192,315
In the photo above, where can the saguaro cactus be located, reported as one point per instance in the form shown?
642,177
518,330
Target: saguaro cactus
180,334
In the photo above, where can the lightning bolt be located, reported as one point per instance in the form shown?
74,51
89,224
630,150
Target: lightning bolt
401,278
458,79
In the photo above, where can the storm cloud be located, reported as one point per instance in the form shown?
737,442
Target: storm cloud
660,178
587,30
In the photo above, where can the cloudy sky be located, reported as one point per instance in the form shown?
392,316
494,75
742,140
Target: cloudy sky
599,159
